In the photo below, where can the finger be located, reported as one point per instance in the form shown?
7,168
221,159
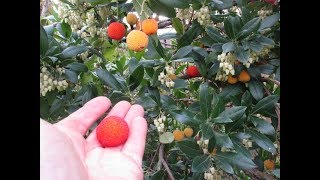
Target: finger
134,111
134,147
120,110
82,119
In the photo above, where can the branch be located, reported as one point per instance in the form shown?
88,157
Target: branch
272,80
255,174
153,158
164,162
45,7
277,108
164,23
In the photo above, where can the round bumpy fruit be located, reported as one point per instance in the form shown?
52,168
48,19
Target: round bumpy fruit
188,132
116,30
137,40
178,135
269,164
149,26
112,131
232,80
244,76
131,19
192,71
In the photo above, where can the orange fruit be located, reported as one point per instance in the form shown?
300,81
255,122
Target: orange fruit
269,164
149,26
244,76
116,30
232,80
131,19
178,135
137,40
188,132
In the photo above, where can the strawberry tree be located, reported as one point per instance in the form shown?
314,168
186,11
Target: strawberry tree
208,79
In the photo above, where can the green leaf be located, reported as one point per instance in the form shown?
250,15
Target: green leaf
276,172
180,83
269,21
246,15
205,97
256,89
218,108
169,36
224,164
155,94
262,125
231,114
227,47
226,4
201,163
142,9
249,28
178,26
49,29
213,70
215,35
189,147
108,79
71,76
73,51
255,46
188,37
78,67
136,77
236,125
265,104
157,175
222,139
147,102
263,141
246,99
265,40
182,52
228,27
64,29
166,138
241,54
237,159
207,131
117,96
241,149
231,90
182,4
96,2
162,9
184,117
44,44
168,103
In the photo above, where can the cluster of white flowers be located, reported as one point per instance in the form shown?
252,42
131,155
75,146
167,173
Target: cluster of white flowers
84,55
167,78
203,145
49,83
226,66
236,9
159,123
212,174
203,16
247,143
184,14
264,13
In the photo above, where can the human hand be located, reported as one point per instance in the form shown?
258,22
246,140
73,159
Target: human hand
66,154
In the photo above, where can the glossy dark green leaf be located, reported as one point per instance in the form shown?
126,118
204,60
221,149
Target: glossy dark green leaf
241,54
78,67
266,69
236,125
157,46
226,4
246,15
168,103
155,94
44,44
213,69
136,77
218,108
73,51
263,141
227,47
64,29
71,76
162,9
228,27
269,21
108,79
201,163
265,104
277,77
166,137
224,164
96,2
237,159
180,83
147,102
246,99
176,3
185,117
49,29
256,89
255,46
177,25
202,52
238,146
262,125
242,135
231,90
222,139
182,52
157,175
117,96
205,97
215,35
169,36
249,28
231,114
207,130
188,37
265,40
189,147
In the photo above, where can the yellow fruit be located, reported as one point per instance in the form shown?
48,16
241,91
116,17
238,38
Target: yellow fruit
244,76
131,19
232,80
172,76
269,164
149,26
178,135
137,40
188,132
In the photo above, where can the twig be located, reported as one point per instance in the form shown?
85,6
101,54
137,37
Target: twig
277,108
153,158
165,23
272,80
164,162
255,174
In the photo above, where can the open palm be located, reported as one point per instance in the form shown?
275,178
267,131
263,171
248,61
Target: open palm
66,154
